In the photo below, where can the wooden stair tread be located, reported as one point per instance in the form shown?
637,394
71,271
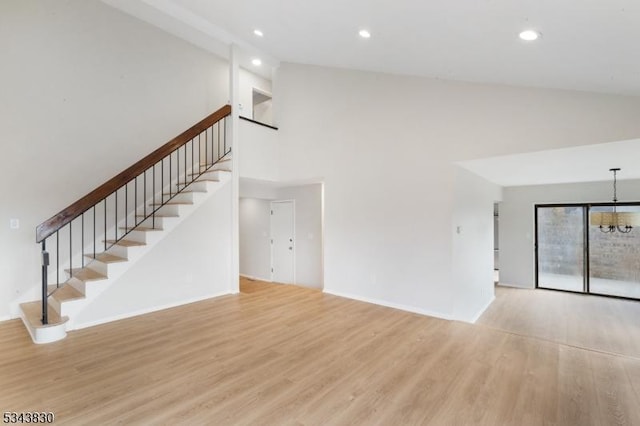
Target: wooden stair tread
209,171
141,229
67,292
172,203
201,179
188,191
107,258
33,314
86,274
224,160
125,243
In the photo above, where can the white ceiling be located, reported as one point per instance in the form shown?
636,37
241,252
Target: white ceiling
587,45
590,163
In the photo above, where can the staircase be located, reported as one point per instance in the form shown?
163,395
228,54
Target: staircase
121,221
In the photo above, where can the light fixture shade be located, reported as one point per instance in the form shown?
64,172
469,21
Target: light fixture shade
607,219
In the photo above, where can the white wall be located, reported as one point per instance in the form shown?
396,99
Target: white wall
384,146
248,81
308,226
472,252
517,228
258,151
86,92
191,263
255,240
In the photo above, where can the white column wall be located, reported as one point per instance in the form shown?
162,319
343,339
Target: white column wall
473,236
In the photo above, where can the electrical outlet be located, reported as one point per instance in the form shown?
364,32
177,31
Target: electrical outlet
14,223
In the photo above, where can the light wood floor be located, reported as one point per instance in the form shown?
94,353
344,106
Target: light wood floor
593,322
284,355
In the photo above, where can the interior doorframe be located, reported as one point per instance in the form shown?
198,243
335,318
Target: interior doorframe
586,252
295,241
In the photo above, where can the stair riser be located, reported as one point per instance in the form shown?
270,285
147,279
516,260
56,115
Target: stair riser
170,209
180,197
45,334
119,251
78,285
100,267
225,163
55,304
159,222
213,174
197,187
138,236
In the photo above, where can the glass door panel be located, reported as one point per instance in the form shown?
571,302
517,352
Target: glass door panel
560,247
614,259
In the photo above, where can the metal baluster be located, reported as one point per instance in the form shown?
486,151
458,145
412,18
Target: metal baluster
94,231
144,202
58,258
126,207
82,248
71,249
45,289
135,202
218,126
105,223
153,212
115,224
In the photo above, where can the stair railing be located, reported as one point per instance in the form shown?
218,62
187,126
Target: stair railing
134,196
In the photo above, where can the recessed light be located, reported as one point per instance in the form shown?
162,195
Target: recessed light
364,34
258,33
529,35
257,62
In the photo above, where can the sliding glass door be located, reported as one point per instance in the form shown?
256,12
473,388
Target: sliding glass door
573,255
614,259
560,242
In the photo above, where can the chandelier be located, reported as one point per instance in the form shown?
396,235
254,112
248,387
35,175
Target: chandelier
614,220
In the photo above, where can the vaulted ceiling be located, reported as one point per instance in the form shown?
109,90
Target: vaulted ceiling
589,45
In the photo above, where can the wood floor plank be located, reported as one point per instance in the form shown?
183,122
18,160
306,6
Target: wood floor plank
285,355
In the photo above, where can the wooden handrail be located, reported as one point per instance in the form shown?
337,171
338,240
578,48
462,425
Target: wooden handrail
50,226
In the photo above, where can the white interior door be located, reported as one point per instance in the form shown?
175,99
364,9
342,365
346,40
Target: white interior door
282,242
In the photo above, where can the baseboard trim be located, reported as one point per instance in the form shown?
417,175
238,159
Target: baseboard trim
251,277
481,311
147,311
501,284
7,318
386,304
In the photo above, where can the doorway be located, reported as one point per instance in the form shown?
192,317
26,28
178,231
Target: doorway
574,255
283,241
